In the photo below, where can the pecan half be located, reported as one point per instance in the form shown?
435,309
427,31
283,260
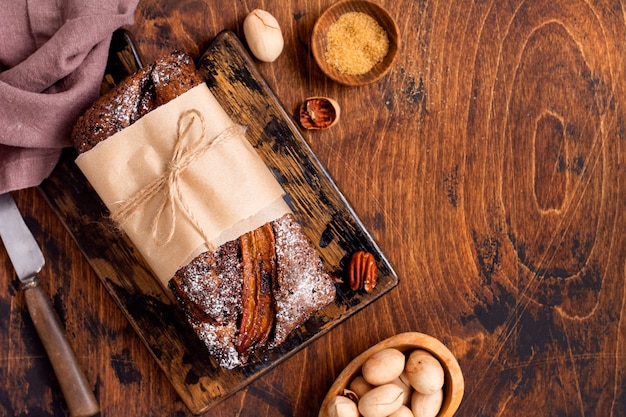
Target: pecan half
362,271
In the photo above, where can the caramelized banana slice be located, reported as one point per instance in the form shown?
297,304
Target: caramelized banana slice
259,275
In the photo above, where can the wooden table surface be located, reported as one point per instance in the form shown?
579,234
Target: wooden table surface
489,167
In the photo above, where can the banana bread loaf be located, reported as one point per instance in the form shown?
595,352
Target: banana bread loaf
251,292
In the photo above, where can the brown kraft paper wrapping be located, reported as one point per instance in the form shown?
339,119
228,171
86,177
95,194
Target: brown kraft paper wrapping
182,180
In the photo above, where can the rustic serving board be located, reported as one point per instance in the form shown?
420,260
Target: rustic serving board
327,219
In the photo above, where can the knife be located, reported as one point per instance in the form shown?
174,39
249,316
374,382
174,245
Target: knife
28,260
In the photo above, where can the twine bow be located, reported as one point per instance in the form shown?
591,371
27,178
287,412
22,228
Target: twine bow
184,155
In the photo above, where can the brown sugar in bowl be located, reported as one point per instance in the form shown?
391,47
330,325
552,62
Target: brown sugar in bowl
319,41
454,384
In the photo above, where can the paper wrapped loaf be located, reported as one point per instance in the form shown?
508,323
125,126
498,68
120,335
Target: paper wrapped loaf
239,293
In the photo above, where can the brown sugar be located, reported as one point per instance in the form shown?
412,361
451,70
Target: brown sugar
355,43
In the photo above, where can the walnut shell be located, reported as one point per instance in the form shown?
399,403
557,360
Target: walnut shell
319,113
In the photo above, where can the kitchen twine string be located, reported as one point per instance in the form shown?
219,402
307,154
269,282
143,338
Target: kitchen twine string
186,151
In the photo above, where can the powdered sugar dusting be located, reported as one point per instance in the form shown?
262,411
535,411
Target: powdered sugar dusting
219,341
134,97
304,286
212,281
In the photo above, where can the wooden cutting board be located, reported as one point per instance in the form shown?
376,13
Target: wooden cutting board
328,220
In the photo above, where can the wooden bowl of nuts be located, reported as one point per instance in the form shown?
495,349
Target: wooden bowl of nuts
405,375
355,42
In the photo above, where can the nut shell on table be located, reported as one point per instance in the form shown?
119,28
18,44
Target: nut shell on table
319,113
263,35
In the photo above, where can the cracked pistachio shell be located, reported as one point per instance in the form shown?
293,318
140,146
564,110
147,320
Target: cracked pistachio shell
381,401
424,372
383,366
341,406
263,35
426,405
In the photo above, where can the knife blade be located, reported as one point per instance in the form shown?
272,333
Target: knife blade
28,260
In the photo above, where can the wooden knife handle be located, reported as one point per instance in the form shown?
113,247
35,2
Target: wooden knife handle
76,390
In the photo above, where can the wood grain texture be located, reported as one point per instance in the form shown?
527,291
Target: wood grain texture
488,165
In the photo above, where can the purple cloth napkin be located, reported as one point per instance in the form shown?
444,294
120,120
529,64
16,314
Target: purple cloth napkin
52,59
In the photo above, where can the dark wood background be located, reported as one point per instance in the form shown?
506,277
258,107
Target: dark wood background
488,165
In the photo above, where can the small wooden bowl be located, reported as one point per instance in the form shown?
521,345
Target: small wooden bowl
454,384
330,16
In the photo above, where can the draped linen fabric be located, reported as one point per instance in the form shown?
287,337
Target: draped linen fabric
52,59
